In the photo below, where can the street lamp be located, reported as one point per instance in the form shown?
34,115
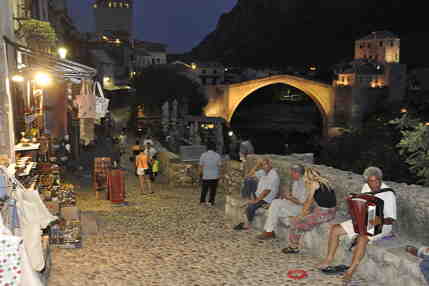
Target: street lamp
42,79
17,78
62,52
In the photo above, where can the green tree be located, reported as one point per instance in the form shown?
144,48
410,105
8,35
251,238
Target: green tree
159,83
414,145
374,144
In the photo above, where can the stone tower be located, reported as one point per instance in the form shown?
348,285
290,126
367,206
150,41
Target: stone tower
380,46
113,16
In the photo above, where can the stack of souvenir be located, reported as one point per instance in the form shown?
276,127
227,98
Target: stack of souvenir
66,195
66,234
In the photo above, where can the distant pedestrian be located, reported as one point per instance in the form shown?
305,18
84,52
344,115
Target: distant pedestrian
155,167
209,170
122,141
246,148
143,171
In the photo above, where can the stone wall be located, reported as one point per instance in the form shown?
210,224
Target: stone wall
412,200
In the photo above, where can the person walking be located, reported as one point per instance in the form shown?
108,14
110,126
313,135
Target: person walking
209,170
142,164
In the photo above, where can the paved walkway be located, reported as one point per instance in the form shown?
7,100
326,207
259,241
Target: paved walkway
168,239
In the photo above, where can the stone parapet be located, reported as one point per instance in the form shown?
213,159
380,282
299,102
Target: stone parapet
385,262
412,200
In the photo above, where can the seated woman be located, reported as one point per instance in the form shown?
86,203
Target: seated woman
320,192
250,183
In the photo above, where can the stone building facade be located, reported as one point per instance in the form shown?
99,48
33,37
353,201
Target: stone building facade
375,71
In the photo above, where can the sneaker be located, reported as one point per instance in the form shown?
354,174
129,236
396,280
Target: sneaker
266,236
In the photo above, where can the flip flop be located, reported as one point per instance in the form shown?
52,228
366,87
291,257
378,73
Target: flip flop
334,270
290,250
239,226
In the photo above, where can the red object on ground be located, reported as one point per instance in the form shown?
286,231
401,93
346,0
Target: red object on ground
116,184
297,274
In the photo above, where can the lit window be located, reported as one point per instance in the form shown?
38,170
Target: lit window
114,4
95,5
110,4
120,5
126,5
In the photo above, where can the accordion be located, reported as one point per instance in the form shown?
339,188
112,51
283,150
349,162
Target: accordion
363,208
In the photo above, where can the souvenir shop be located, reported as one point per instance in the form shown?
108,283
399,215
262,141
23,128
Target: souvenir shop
37,208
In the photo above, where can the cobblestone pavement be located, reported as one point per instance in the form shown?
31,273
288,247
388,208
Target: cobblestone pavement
169,239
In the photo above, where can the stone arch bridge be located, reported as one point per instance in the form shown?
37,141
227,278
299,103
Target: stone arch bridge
224,99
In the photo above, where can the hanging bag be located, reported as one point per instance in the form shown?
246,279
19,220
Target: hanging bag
87,101
101,103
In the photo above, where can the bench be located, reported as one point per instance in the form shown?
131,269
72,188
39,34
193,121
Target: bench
385,262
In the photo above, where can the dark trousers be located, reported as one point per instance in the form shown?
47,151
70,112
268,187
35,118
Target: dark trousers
251,210
206,186
250,185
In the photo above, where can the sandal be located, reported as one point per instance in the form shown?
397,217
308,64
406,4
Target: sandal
334,270
290,250
239,226
411,250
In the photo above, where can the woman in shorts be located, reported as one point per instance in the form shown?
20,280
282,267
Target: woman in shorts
143,171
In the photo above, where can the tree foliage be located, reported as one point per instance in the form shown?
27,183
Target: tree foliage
372,145
157,84
37,30
414,145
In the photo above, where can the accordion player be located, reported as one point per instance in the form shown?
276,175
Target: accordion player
363,209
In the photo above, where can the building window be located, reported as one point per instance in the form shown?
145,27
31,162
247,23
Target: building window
369,45
391,43
120,5
95,5
110,4
361,46
381,44
126,5
158,60
114,4
215,71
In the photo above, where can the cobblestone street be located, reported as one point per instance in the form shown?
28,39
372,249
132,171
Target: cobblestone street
167,238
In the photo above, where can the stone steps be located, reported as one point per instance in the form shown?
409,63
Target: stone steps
385,262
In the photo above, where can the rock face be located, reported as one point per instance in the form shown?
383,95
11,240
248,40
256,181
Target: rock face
276,32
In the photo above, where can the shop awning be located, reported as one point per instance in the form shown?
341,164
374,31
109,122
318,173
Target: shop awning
41,60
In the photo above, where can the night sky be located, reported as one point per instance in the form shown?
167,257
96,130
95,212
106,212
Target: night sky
179,24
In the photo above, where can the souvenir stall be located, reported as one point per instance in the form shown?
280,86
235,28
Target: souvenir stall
37,208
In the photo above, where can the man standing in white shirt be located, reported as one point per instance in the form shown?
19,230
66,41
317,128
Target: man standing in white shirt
373,177
268,187
210,165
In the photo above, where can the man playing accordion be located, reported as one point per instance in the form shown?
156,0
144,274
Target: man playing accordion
373,177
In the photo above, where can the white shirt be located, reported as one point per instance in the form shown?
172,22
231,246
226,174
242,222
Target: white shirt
210,161
299,191
270,181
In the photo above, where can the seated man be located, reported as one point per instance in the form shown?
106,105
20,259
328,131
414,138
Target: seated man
373,177
289,204
422,252
268,187
250,184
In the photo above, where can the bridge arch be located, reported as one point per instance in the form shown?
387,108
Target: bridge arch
225,99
